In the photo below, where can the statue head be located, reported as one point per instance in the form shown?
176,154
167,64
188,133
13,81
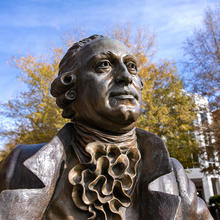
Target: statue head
98,85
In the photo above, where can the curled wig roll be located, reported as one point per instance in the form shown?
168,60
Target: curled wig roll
64,86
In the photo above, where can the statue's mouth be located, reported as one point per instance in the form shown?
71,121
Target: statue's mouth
124,95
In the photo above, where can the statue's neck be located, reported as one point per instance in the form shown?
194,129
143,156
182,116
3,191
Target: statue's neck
85,135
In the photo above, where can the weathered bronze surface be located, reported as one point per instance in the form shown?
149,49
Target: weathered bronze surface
99,166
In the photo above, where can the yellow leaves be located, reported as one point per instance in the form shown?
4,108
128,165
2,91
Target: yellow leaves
184,127
36,116
169,112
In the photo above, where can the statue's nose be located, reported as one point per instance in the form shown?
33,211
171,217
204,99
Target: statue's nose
123,75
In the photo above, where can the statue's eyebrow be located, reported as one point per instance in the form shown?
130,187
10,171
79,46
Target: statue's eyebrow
104,55
111,56
130,58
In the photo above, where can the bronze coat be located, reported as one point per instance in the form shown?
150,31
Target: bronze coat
34,184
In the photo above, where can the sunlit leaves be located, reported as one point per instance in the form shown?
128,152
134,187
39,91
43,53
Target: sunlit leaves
34,112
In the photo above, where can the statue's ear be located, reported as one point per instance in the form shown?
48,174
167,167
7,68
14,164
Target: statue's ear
69,112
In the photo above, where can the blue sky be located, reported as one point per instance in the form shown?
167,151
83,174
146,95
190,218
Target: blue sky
32,26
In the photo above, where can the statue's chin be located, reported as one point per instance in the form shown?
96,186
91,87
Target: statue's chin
128,114
124,115
127,108
112,118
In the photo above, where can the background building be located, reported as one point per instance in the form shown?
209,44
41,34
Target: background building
207,184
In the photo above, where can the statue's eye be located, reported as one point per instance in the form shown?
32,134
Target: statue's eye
132,67
104,64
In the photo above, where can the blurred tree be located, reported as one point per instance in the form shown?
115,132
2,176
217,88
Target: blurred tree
168,111
211,149
203,58
203,64
216,128
34,112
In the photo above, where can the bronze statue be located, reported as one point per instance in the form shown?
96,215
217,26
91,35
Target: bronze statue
99,166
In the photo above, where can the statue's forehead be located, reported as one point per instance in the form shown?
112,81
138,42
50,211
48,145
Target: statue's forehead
104,45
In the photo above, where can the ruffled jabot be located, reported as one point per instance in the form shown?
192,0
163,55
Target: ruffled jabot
101,184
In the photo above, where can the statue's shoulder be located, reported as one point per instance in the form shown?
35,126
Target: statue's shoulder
188,194
146,134
148,140
154,155
14,174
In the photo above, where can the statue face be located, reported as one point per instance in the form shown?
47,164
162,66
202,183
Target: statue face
108,87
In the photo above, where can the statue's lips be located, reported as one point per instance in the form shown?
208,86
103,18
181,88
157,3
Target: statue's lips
123,95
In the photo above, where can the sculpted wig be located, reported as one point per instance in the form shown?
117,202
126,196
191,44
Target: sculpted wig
64,86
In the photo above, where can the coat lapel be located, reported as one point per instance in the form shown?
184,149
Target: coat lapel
162,206
29,204
157,183
163,194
